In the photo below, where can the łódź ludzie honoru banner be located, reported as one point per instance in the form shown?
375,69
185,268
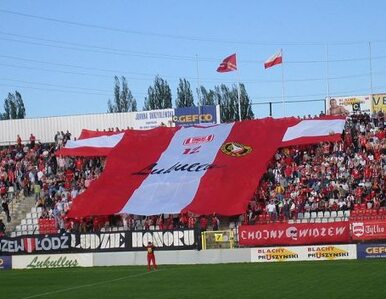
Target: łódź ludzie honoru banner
294,234
181,239
368,230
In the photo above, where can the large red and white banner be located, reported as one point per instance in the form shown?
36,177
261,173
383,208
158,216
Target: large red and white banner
368,230
294,234
298,132
204,170
198,169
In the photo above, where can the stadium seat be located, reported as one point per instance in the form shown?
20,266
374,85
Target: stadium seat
28,215
300,215
331,219
29,221
327,214
320,215
318,220
39,210
325,220
313,215
347,213
307,215
299,220
23,221
33,210
304,220
333,214
340,214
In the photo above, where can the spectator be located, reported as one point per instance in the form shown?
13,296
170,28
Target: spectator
4,205
2,228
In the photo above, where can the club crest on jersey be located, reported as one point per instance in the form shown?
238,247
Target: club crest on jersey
235,149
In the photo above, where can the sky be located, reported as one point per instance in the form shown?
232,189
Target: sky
62,56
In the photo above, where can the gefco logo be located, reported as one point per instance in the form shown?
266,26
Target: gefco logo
235,149
193,118
198,140
326,252
376,250
276,254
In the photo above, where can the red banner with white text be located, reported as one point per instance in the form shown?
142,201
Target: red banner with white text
294,234
368,230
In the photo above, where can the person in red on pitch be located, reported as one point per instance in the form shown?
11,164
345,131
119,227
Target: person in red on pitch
150,256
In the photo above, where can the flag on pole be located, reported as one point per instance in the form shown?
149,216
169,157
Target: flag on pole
273,60
228,64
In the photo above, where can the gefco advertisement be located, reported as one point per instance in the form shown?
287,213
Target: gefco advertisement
189,116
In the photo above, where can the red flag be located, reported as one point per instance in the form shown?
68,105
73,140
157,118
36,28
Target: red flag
228,64
273,60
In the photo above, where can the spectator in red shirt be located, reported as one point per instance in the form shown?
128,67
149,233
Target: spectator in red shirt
203,223
32,140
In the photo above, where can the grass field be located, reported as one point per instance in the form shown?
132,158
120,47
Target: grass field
335,279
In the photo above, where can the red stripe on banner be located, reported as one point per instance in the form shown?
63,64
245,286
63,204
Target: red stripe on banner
110,192
294,234
228,187
91,134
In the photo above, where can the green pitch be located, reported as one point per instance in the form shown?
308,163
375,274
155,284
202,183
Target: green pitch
301,280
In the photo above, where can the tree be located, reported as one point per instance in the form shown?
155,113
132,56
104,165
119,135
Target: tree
246,107
227,98
123,98
184,94
206,96
159,95
13,106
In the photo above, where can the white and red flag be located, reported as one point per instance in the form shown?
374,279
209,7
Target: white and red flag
203,170
275,59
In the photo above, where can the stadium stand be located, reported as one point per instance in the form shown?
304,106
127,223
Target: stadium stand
319,183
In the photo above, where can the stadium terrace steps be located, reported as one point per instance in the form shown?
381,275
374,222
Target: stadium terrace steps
18,209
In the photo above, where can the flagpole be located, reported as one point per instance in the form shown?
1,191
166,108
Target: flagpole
198,89
282,82
371,69
238,91
327,72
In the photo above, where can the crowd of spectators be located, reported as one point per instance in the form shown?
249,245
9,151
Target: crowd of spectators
324,177
330,176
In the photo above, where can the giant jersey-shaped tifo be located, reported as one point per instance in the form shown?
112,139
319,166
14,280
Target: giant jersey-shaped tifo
203,170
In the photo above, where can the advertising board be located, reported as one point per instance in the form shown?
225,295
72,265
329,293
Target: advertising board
304,253
294,234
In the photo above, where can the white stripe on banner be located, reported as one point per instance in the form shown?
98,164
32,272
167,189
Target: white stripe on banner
101,141
314,128
169,189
